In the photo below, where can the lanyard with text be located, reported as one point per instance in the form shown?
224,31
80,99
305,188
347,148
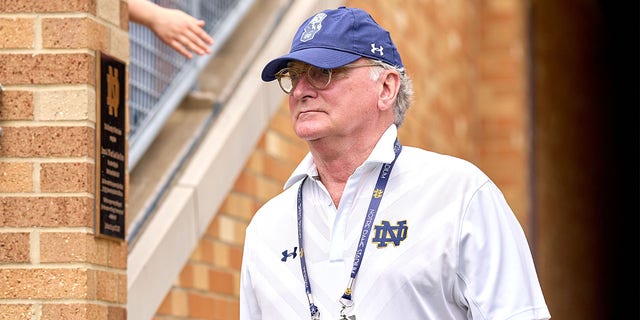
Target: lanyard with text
376,197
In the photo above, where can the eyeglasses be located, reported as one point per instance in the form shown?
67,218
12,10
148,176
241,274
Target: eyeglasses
318,78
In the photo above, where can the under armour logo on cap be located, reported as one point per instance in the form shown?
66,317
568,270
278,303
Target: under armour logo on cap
374,49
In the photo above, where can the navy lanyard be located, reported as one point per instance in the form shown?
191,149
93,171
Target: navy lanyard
376,197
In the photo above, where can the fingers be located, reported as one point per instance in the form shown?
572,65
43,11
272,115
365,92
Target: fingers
197,40
177,46
184,33
202,35
192,41
187,43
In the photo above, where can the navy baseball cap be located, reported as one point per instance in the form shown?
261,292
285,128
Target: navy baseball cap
334,38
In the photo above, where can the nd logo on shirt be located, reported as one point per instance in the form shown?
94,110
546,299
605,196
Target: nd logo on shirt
385,233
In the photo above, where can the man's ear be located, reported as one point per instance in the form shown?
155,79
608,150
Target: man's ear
390,86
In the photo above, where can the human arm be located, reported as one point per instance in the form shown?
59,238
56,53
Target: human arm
174,27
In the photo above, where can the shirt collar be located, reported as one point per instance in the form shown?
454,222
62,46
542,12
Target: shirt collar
382,153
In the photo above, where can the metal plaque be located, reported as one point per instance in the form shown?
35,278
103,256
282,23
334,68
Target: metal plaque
111,147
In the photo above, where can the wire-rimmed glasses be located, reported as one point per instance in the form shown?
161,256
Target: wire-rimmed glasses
318,78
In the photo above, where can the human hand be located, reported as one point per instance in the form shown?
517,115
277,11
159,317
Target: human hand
181,32
174,27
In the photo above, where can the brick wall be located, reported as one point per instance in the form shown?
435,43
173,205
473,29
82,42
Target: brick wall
502,137
467,61
51,264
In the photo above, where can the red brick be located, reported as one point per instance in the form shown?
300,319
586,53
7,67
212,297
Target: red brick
71,247
56,311
70,68
25,142
75,33
14,247
44,284
16,312
16,177
30,212
186,276
17,33
16,105
37,6
201,306
117,253
116,313
67,177
235,257
107,286
221,282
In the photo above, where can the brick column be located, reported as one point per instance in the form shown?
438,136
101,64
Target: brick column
51,264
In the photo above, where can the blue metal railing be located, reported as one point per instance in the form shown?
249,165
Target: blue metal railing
160,77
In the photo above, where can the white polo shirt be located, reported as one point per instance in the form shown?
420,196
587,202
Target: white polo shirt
447,246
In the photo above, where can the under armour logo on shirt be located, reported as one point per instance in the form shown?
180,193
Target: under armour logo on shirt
374,49
286,254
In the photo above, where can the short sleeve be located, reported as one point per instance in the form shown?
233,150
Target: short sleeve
496,275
